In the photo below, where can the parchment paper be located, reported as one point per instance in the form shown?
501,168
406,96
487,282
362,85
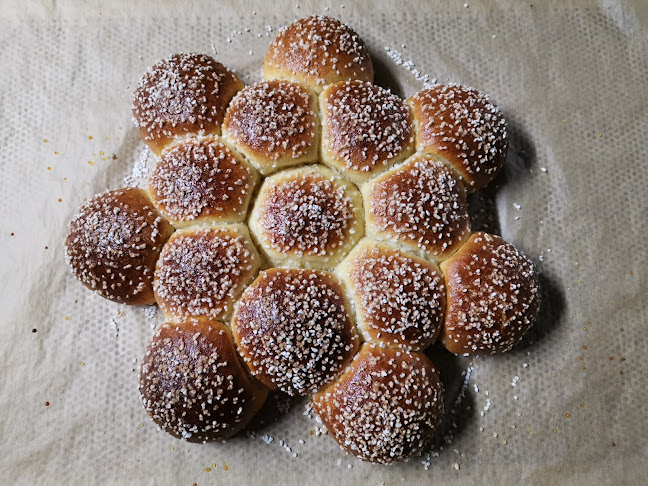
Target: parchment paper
566,406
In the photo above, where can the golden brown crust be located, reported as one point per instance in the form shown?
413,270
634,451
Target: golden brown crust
202,270
398,297
307,216
113,244
385,407
365,129
317,51
293,329
420,204
182,95
193,385
201,180
275,124
464,127
493,296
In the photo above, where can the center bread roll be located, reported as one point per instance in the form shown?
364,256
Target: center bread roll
307,217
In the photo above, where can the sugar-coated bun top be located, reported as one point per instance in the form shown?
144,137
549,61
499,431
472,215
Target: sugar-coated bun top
202,271
399,298
464,127
420,204
201,180
317,51
275,124
113,244
307,216
181,95
385,407
365,129
493,296
293,329
193,385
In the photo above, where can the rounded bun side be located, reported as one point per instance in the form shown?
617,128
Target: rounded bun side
293,329
465,128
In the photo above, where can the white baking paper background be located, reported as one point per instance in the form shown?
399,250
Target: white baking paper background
570,405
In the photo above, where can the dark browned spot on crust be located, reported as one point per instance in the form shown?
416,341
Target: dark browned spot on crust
463,126
201,179
293,329
113,244
493,297
385,407
193,385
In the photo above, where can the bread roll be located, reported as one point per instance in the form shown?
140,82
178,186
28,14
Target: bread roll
293,329
317,51
193,384
421,205
275,124
385,407
182,95
113,244
307,217
201,180
399,298
203,270
493,296
465,128
365,129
